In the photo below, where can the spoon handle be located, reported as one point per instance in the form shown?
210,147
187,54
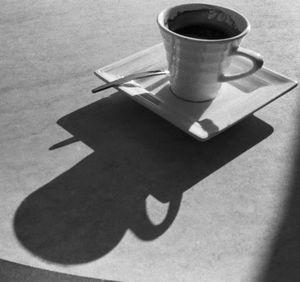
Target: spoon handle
128,78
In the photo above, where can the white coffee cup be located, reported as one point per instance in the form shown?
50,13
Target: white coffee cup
200,41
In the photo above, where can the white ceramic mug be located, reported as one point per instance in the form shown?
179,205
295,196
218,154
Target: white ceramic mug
197,65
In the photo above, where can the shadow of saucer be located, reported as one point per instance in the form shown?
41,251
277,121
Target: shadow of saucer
82,214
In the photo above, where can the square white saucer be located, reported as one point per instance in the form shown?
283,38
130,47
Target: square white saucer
236,100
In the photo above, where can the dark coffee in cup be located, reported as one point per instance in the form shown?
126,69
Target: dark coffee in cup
204,31
209,24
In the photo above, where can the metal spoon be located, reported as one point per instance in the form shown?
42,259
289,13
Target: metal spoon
128,78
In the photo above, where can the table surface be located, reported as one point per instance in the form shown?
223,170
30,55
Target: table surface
80,172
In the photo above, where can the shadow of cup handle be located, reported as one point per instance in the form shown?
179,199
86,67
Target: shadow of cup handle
146,230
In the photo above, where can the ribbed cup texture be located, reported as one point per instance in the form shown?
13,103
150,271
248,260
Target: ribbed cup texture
196,65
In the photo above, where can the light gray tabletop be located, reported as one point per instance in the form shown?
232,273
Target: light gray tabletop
79,172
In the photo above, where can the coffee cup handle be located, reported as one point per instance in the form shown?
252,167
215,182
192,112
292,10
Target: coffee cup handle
256,59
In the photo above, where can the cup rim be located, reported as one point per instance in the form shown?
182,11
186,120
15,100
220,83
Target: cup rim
160,18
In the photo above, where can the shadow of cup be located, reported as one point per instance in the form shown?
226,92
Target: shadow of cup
83,214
